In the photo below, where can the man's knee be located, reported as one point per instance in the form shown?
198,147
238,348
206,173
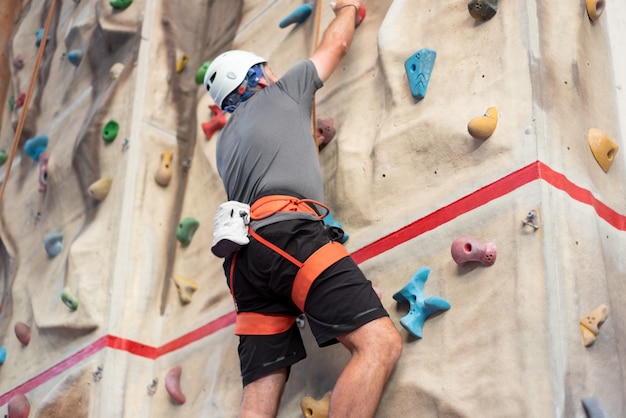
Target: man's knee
378,338
393,343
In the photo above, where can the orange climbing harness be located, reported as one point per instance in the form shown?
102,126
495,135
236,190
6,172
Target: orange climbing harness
253,323
29,95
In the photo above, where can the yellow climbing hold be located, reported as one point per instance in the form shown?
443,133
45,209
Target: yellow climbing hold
483,126
99,189
186,288
603,147
181,60
595,9
312,408
590,324
116,70
164,172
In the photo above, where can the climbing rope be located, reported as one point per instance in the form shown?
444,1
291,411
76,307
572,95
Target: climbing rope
29,94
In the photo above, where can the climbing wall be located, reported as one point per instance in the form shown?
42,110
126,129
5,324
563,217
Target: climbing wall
112,304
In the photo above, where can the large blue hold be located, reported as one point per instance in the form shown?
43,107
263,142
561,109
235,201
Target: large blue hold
418,68
297,16
35,146
420,306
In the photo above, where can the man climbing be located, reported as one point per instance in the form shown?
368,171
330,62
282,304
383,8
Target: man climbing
280,259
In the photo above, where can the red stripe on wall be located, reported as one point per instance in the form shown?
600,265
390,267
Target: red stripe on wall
561,182
534,171
441,216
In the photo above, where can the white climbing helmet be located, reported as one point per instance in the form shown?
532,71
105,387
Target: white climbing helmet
227,72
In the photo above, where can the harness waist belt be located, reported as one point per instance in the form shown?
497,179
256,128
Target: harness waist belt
267,206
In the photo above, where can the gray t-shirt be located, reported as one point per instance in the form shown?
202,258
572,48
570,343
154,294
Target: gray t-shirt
267,145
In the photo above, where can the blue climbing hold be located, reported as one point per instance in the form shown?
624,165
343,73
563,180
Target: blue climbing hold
39,35
75,56
3,355
53,243
297,16
420,306
35,146
418,68
329,221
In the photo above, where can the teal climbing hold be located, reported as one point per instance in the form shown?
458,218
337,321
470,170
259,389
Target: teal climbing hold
75,56
3,355
3,157
201,72
419,67
35,146
297,16
53,243
110,130
69,299
186,228
420,306
39,37
336,228
120,4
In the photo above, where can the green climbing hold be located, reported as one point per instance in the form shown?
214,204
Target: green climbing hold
3,157
186,228
110,130
11,103
201,72
69,299
120,4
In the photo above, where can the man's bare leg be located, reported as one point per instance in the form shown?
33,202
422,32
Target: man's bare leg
375,349
262,397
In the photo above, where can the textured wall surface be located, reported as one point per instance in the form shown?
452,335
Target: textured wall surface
403,176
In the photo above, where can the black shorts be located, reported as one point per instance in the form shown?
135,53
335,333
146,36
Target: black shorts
340,300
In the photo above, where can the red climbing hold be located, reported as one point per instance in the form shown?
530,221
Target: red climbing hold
216,123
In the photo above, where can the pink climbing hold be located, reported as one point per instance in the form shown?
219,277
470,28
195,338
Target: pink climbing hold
18,407
216,123
18,62
325,132
466,249
172,384
22,332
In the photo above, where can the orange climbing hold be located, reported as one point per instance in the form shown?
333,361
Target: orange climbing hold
312,408
217,122
603,147
483,126
590,324
164,172
595,9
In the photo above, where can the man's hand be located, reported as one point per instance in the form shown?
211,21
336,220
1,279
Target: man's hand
359,9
